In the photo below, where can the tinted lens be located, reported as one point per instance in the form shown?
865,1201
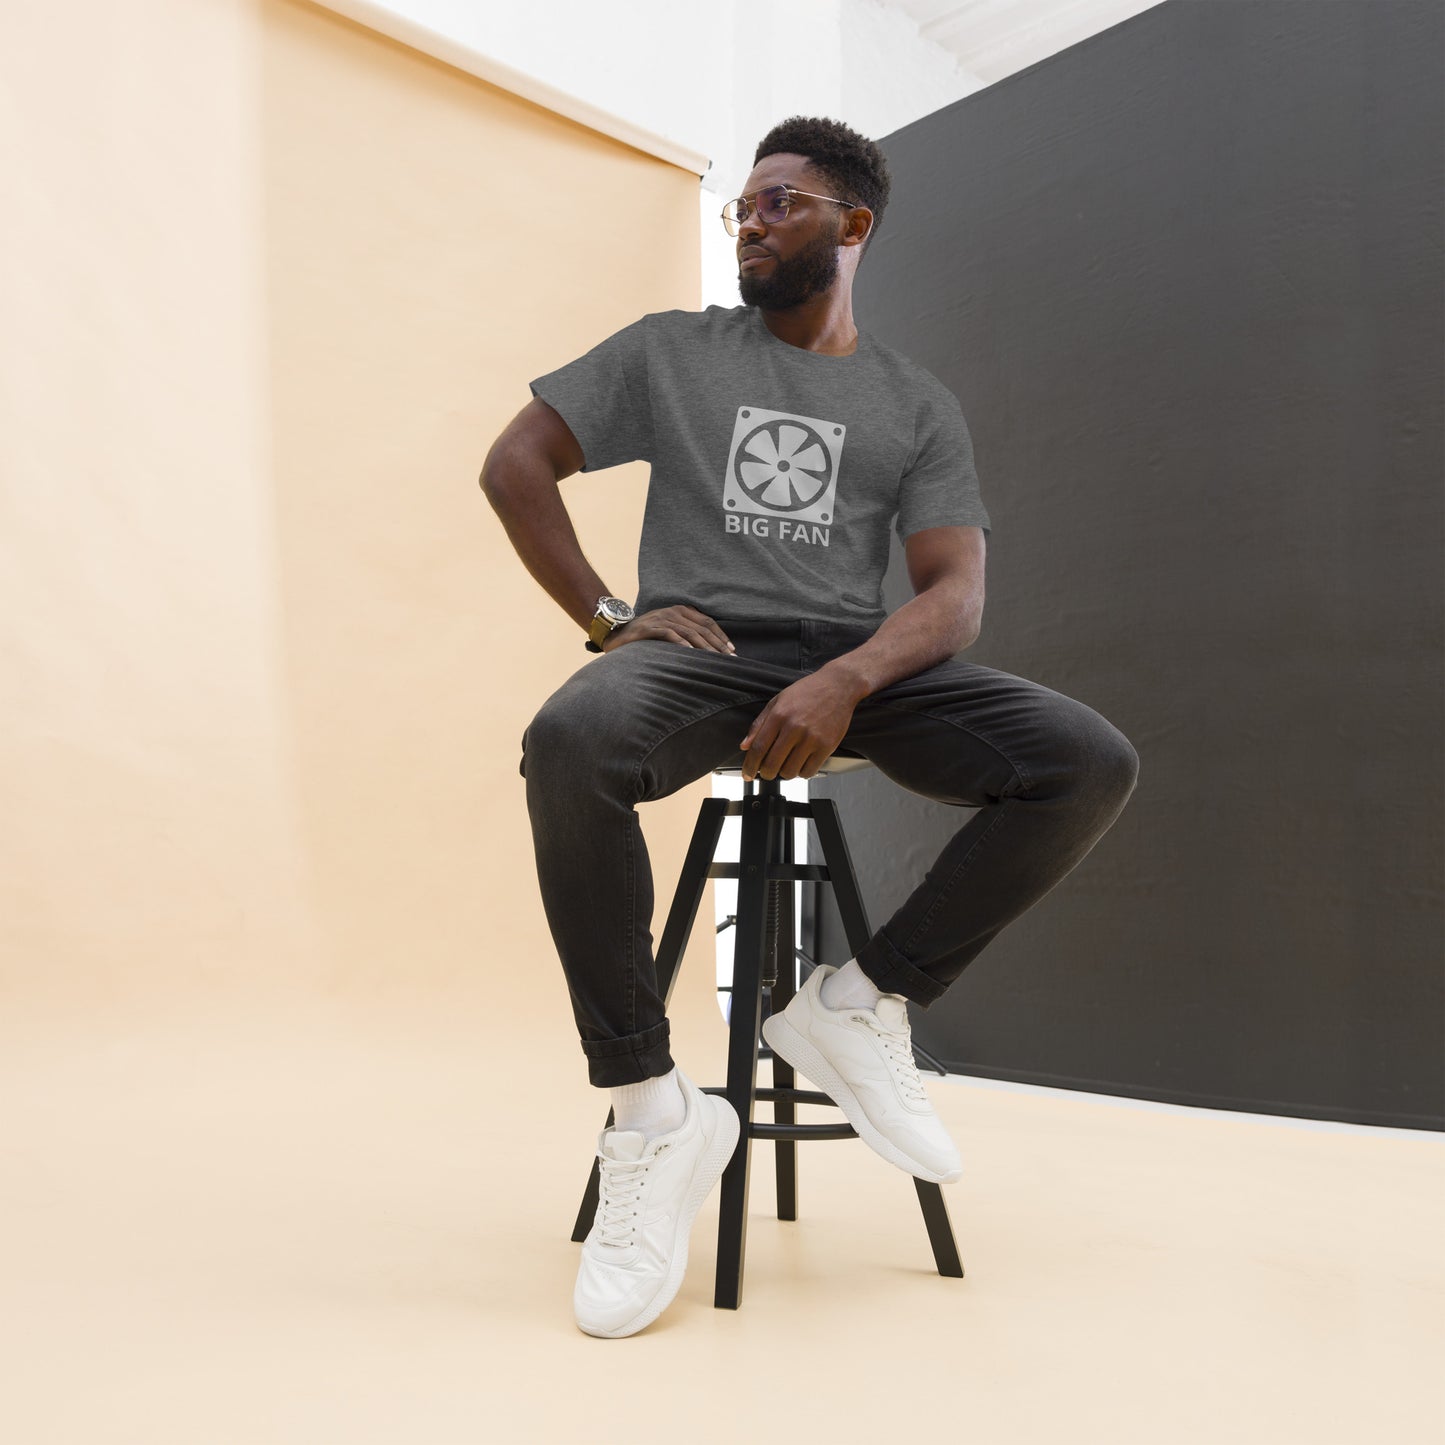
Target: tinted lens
773,204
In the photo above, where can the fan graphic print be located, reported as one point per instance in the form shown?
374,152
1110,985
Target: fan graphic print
783,465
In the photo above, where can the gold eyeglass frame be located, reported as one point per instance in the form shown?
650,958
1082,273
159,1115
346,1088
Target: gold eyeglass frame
732,224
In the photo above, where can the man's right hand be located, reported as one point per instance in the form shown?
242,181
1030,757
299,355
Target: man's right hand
520,476
684,625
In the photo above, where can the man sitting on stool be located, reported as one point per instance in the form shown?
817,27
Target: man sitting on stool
784,443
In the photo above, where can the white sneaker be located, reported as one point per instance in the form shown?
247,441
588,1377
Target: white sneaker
635,1255
863,1060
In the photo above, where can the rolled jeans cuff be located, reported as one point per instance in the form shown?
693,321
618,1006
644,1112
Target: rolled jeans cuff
891,972
614,1062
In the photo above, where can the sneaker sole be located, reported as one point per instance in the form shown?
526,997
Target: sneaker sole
785,1040
714,1160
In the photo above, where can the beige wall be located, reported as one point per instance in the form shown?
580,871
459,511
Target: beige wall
276,284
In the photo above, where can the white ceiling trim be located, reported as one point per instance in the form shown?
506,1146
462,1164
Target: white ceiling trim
996,38
457,53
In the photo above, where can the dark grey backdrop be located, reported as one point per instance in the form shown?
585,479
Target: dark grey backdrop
1186,279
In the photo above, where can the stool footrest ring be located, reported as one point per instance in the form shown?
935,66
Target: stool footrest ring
795,1132
779,1096
802,1131
777,872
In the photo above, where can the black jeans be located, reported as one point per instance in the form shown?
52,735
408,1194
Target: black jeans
1048,775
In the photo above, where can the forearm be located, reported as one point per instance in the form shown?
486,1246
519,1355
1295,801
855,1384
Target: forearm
525,496
934,626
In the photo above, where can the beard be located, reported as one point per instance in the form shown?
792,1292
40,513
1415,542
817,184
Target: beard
808,274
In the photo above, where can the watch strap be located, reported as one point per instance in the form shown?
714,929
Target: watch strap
612,613
600,630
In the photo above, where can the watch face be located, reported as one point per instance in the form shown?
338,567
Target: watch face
615,610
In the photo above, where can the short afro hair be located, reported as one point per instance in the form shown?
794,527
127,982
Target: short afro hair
853,165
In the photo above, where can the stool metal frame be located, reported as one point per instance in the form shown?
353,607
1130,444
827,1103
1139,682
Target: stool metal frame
764,962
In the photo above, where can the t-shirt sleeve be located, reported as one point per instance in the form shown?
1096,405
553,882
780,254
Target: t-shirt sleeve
604,398
940,486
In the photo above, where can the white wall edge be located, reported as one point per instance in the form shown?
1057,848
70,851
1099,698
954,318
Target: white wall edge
379,17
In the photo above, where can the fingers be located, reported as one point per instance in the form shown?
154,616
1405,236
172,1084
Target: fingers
796,733
685,626
754,752
802,762
704,631
773,753
814,762
755,745
689,636
759,723
782,760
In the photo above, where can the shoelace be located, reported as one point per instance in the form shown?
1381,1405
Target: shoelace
899,1047
620,1187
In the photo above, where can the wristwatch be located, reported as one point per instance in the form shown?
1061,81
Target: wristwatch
611,613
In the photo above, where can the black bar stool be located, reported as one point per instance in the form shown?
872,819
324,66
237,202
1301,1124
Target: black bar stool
765,962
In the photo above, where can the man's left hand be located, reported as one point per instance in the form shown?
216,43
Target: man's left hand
799,729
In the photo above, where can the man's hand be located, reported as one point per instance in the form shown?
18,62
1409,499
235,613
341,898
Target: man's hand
684,625
800,728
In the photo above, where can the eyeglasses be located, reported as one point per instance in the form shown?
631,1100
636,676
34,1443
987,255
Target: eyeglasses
772,205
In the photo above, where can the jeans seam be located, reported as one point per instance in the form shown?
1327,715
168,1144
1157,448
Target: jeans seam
687,722
947,890
630,888
1019,769
898,967
631,861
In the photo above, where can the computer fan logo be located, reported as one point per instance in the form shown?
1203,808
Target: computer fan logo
782,465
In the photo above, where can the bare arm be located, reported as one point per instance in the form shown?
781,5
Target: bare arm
534,453
520,475
945,615
799,729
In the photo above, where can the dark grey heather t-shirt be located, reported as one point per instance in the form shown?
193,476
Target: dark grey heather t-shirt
776,472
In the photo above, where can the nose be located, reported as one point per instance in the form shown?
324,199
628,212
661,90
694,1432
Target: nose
752,227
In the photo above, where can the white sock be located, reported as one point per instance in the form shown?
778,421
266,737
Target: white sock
850,987
653,1107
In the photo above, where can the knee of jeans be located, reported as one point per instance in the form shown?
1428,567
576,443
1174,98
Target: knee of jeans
1098,761
551,740
1112,769
567,748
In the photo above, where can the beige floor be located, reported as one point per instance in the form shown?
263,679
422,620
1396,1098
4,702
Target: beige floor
293,1220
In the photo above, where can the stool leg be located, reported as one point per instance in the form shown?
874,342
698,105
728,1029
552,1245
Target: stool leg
940,1231
855,924
785,968
691,884
587,1211
839,863
745,1019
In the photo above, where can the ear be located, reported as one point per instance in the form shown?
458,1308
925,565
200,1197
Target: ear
857,226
